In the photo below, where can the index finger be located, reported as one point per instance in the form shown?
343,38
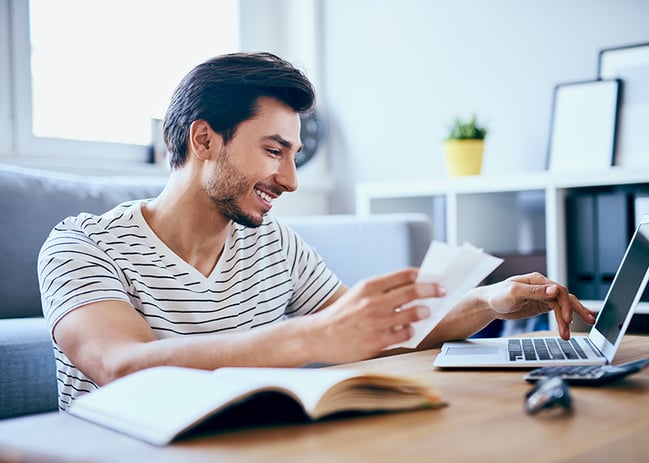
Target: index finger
564,306
399,288
391,281
568,303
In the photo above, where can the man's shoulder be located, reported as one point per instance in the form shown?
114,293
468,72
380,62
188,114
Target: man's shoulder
89,224
122,212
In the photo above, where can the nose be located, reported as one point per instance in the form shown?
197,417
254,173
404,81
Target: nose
287,175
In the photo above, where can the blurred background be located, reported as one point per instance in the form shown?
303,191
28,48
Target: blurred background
83,82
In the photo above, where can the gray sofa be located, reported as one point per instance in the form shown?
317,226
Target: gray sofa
32,202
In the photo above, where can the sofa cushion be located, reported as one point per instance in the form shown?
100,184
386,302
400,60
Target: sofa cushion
358,247
31,203
28,379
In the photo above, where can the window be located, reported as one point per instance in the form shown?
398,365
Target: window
5,78
89,77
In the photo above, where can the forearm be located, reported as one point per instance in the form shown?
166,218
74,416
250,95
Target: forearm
285,344
110,340
291,343
469,316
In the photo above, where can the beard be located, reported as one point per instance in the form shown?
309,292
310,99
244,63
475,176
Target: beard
226,186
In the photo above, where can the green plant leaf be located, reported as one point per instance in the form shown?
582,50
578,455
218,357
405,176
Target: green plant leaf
470,129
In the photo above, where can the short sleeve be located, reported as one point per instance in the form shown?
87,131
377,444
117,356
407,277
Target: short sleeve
73,271
314,282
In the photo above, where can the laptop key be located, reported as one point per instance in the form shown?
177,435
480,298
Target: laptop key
528,350
541,349
515,350
578,348
554,349
567,349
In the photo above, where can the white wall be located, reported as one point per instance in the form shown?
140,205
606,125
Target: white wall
391,74
292,29
395,72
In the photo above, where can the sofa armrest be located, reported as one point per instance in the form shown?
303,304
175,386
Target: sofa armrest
28,377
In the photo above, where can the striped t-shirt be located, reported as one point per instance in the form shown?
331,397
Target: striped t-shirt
263,275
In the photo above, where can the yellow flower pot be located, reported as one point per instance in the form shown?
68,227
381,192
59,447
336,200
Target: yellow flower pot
464,157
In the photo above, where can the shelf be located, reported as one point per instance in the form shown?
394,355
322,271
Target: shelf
528,209
524,181
522,215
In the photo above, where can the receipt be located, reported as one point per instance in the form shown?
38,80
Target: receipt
459,269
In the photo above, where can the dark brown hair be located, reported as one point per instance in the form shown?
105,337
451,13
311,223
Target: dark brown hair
224,91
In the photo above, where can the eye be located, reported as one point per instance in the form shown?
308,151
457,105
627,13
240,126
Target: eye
274,152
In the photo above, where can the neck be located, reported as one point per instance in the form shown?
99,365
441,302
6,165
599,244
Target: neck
186,220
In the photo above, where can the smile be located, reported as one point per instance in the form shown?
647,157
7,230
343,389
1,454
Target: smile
266,197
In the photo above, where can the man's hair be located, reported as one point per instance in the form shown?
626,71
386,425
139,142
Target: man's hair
224,91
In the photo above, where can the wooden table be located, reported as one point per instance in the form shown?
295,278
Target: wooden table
484,421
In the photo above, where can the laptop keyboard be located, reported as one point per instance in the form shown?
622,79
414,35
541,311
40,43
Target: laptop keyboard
544,349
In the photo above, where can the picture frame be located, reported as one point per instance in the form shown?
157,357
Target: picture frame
630,63
583,128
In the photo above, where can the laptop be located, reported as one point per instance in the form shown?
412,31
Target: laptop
598,348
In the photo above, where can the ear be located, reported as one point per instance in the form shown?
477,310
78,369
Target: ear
202,139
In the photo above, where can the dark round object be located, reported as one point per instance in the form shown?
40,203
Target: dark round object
311,134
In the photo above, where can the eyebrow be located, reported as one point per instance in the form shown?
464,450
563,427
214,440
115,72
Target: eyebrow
282,141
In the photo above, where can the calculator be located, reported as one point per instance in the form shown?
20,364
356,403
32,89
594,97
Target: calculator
588,375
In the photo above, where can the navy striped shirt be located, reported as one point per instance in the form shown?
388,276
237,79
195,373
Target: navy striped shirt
263,275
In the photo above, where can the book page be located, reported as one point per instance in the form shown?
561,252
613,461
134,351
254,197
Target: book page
459,269
306,385
153,404
157,404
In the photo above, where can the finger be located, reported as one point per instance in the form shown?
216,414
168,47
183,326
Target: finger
548,295
533,278
584,312
398,318
569,304
398,334
390,281
411,314
520,292
407,294
562,326
563,299
401,316
553,295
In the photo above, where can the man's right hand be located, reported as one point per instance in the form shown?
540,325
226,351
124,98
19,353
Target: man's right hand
371,316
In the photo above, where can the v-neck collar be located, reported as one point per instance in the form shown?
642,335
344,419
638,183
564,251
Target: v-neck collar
166,252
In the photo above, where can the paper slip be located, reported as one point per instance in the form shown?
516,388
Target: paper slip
459,269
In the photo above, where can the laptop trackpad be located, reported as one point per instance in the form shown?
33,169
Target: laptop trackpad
472,350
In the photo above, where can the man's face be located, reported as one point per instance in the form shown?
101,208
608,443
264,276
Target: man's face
257,165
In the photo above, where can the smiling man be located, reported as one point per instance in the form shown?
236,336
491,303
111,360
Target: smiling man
202,276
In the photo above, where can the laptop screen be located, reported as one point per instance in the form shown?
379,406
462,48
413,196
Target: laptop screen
627,287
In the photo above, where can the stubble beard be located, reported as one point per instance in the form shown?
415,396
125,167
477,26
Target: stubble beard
226,187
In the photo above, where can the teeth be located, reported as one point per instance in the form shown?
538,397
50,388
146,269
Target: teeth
264,196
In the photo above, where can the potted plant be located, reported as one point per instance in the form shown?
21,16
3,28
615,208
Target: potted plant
464,146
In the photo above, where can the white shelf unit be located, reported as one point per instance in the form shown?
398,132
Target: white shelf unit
522,213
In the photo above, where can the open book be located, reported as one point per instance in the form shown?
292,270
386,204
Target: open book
160,404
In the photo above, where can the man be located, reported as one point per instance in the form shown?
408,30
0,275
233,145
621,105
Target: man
202,277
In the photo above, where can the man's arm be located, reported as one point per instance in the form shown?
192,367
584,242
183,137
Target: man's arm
110,339
516,297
